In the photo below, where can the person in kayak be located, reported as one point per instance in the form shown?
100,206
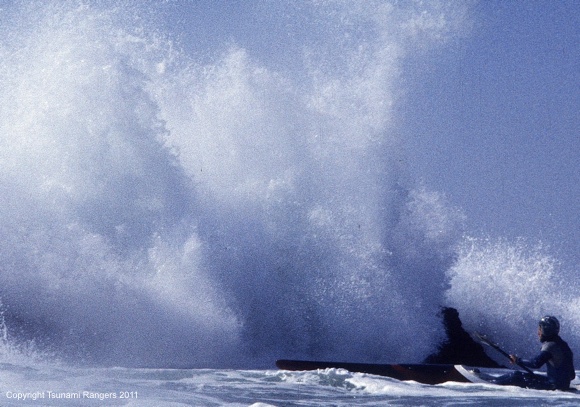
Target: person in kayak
555,353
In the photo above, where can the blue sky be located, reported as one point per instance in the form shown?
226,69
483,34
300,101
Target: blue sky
498,128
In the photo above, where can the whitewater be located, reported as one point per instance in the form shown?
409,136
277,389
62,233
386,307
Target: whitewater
176,217
67,386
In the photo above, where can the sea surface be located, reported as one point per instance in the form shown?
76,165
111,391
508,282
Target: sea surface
65,386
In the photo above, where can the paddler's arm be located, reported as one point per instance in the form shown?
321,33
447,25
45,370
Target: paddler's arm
535,363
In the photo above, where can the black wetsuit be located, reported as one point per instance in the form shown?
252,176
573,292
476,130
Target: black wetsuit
559,360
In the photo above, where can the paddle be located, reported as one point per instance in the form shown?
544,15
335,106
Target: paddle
486,341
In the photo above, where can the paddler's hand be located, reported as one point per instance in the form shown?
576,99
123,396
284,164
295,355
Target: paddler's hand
514,359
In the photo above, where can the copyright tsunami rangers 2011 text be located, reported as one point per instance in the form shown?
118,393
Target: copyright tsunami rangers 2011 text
48,394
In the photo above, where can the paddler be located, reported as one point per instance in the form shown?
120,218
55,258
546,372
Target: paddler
555,354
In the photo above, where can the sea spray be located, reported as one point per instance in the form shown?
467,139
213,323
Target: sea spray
160,210
522,278
303,190
91,194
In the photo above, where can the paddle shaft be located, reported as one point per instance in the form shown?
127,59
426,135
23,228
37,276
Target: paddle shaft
486,341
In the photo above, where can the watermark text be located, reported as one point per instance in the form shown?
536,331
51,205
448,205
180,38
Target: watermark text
84,394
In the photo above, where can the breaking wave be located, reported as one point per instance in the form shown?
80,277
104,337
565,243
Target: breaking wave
165,209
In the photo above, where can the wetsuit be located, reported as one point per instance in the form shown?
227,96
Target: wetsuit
559,360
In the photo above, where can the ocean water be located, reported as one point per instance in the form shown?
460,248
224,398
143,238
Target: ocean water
65,386
182,189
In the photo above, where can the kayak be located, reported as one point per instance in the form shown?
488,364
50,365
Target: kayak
421,373
488,376
478,374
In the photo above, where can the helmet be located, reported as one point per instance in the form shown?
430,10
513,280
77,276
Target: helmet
550,325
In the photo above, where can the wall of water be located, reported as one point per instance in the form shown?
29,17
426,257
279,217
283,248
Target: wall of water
161,208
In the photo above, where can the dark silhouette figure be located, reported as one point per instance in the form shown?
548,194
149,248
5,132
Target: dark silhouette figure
459,348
